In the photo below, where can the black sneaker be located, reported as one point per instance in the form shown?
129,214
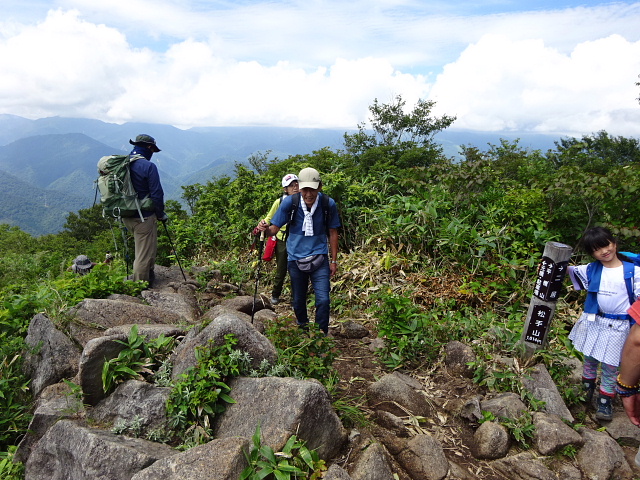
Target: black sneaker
605,408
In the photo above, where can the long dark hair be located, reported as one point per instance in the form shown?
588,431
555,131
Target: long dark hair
599,237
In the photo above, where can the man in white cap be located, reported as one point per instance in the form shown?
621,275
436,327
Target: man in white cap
146,181
290,187
312,219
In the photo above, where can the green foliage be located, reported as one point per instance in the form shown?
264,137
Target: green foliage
202,392
521,429
138,360
8,469
295,461
303,353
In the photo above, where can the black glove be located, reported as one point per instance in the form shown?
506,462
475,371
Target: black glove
164,217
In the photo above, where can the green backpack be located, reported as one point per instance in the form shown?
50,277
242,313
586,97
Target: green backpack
117,195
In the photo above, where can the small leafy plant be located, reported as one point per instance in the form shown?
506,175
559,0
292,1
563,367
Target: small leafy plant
138,359
295,461
303,353
202,392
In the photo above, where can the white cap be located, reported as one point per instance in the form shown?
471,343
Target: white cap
309,178
288,178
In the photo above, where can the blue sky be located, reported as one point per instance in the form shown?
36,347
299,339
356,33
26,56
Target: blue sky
566,68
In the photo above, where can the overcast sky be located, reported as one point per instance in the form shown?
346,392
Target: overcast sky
561,67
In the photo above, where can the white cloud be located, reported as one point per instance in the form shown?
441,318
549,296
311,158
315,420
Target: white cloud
501,84
321,63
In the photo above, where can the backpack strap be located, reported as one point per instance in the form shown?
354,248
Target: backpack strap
594,273
295,204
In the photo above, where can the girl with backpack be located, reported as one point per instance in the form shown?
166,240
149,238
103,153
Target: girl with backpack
612,284
290,187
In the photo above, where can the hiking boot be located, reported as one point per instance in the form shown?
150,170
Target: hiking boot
275,300
605,408
589,386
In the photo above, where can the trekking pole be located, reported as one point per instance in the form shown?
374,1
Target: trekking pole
174,250
260,247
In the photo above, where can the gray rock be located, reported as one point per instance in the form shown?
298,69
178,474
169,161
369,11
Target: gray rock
506,405
221,459
184,306
471,409
50,355
373,464
457,355
95,354
552,433
134,402
351,329
621,429
72,451
258,318
391,422
150,332
45,416
601,457
393,394
250,340
283,407
490,441
335,472
523,466
91,317
244,303
424,458
542,387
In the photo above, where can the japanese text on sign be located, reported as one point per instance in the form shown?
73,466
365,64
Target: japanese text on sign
549,281
538,324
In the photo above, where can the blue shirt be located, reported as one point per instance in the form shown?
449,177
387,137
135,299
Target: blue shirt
146,181
298,245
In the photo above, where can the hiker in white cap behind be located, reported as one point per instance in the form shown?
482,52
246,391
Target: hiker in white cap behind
290,187
312,219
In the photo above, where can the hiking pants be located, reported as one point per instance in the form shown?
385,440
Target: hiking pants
281,268
145,236
321,285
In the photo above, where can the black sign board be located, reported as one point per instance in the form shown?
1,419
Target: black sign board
538,324
550,279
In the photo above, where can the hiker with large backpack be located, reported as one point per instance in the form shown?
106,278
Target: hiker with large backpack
148,204
312,244
612,283
290,187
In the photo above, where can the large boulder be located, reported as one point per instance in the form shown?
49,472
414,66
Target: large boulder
50,355
91,317
134,403
70,450
249,339
96,353
399,395
283,407
222,459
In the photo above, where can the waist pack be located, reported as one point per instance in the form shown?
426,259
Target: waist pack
310,264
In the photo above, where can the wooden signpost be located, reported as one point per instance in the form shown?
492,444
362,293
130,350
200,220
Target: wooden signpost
551,273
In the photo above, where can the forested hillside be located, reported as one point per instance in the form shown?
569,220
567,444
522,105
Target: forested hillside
432,249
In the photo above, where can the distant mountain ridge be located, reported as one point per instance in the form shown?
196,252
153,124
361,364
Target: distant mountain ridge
55,158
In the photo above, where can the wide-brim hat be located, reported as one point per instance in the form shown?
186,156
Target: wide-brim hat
309,178
146,141
82,262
